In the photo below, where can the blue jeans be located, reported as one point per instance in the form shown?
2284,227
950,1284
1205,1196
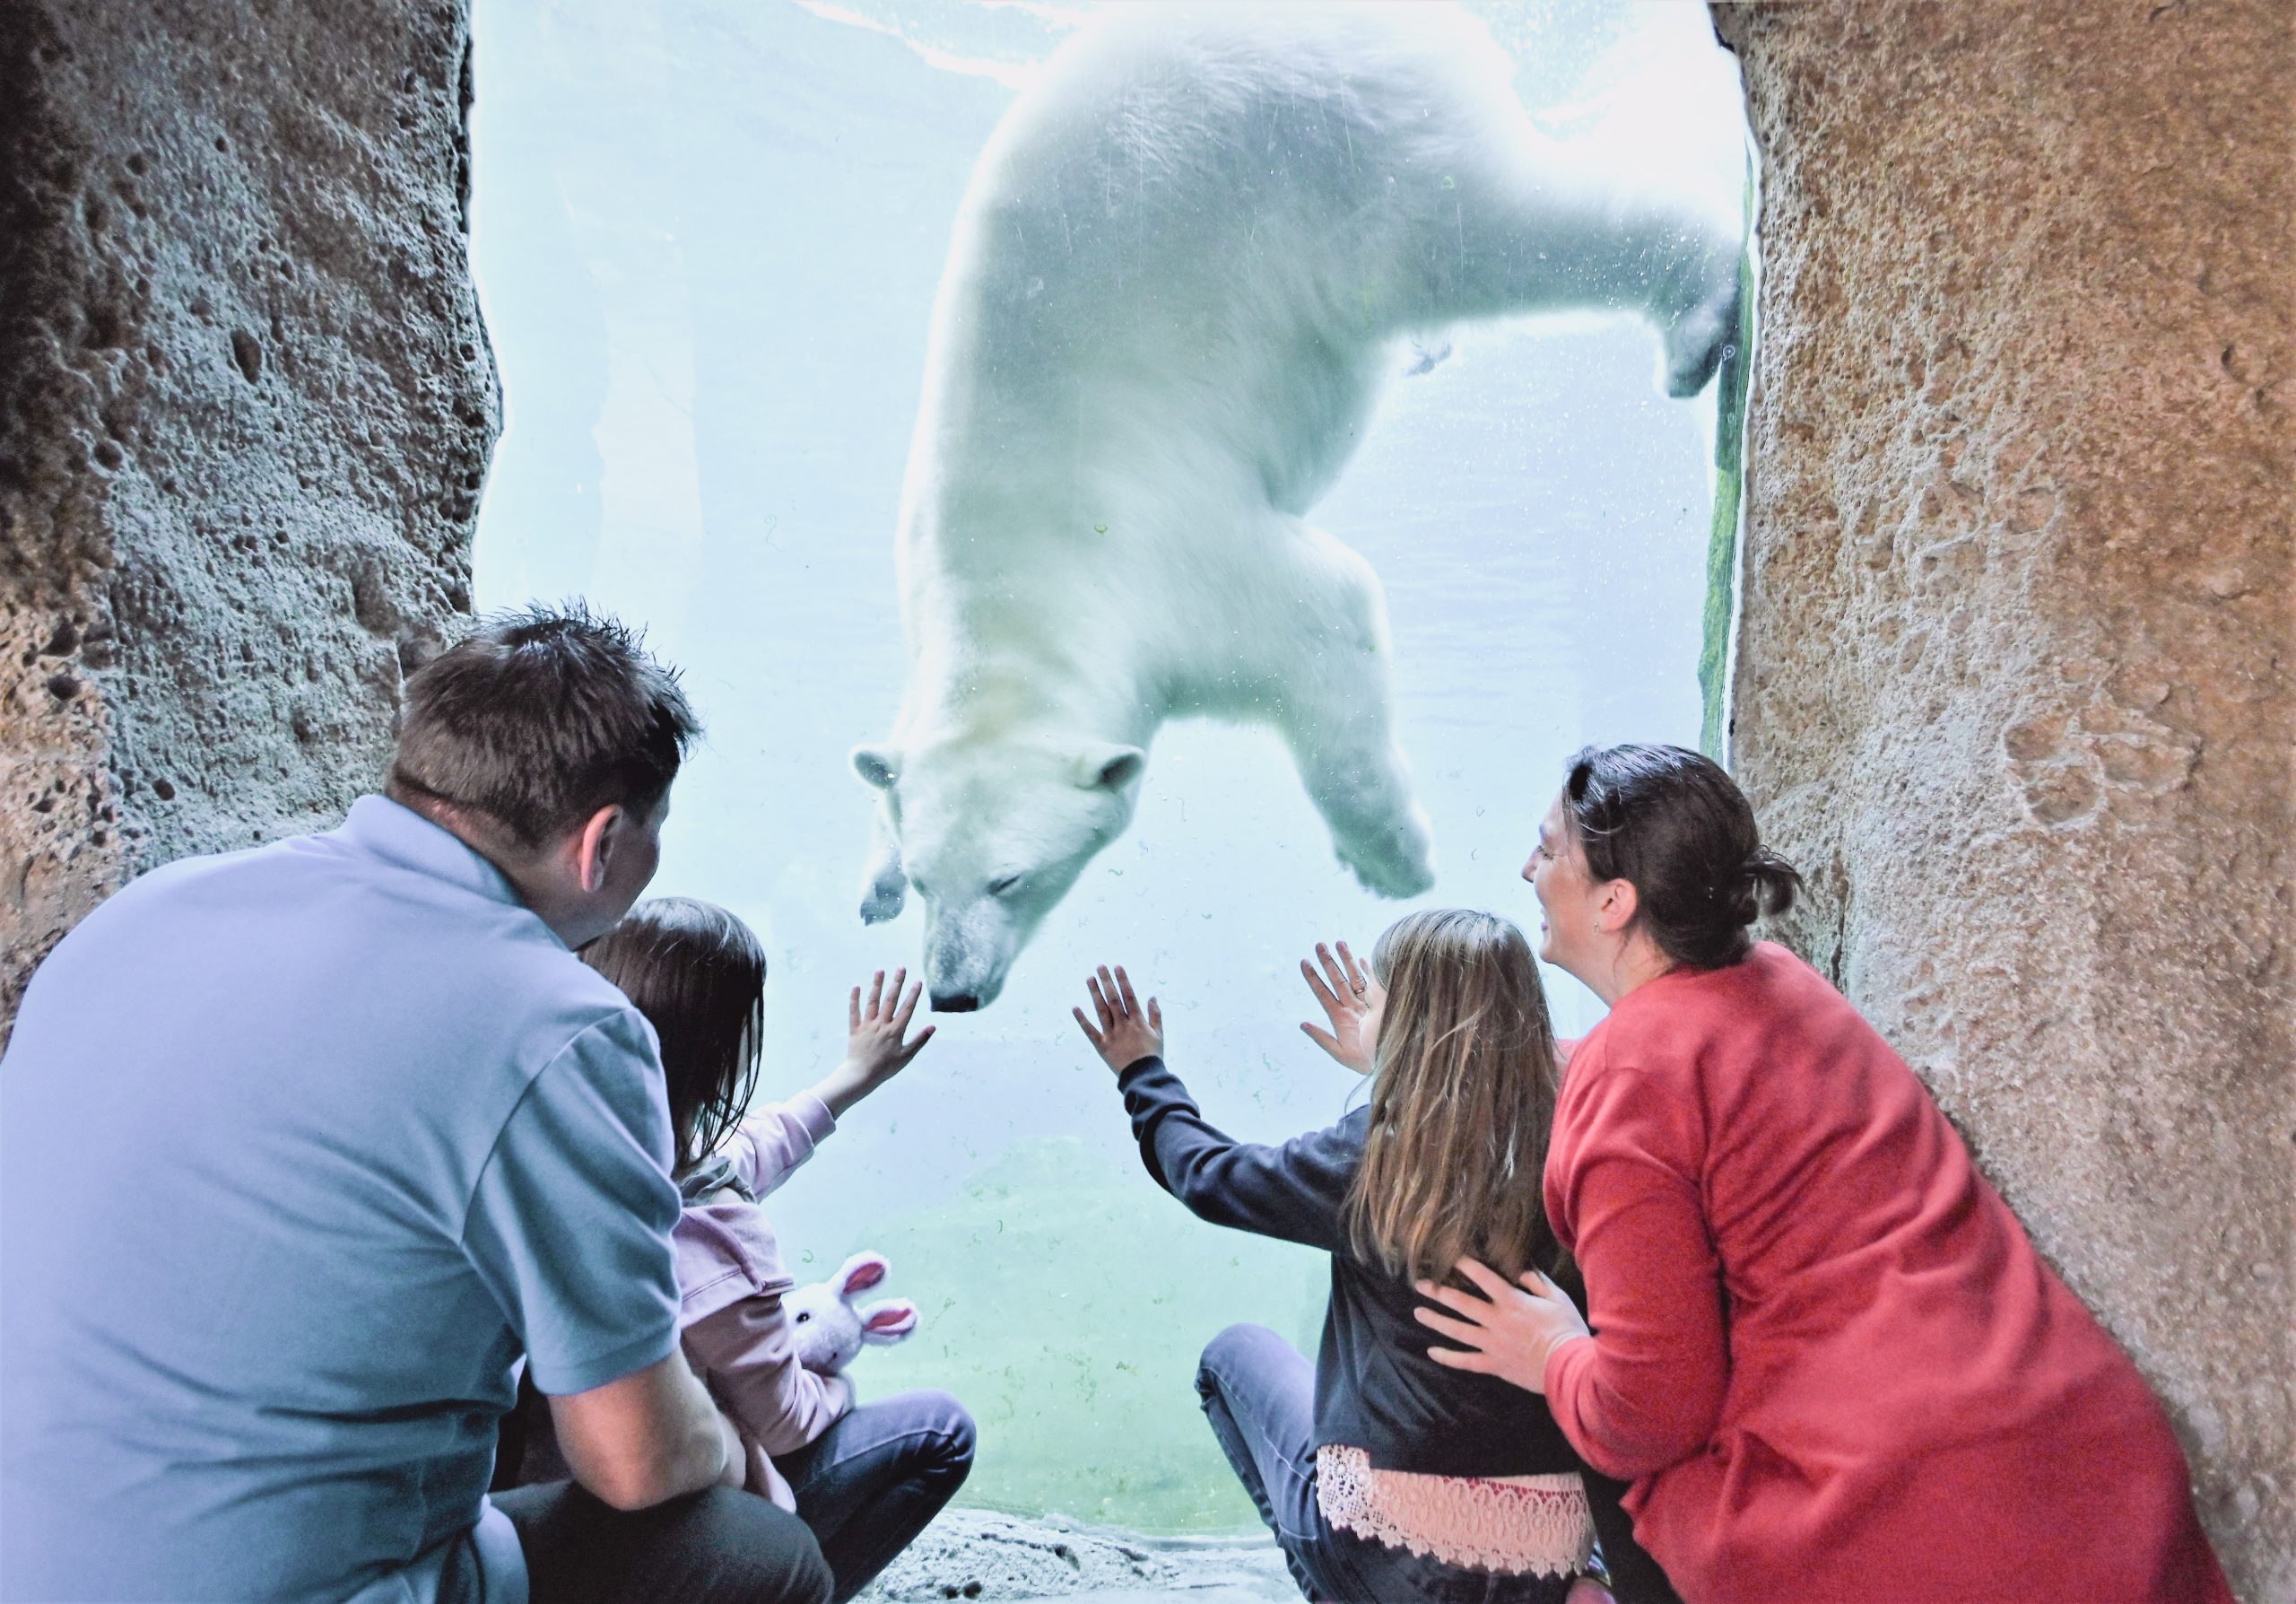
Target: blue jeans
872,1482
1260,1395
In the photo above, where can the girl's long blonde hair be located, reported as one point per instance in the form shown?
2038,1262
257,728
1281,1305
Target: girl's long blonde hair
1462,1101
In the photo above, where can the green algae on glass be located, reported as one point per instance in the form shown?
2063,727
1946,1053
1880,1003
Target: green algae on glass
1064,1299
1730,481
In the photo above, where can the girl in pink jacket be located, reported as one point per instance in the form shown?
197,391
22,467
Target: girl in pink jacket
866,1478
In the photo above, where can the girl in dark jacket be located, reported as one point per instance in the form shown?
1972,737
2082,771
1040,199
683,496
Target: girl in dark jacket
1384,1475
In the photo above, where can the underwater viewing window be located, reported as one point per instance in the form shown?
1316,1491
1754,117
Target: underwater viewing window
710,238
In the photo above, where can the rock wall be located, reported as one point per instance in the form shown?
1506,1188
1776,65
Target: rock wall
2012,680
246,403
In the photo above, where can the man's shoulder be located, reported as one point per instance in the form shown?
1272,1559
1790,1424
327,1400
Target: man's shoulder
424,967
144,919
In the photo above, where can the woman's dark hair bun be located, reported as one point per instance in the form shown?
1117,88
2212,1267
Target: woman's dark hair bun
1671,822
1774,883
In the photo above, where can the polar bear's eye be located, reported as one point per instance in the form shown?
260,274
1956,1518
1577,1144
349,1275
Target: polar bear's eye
803,1315
1003,884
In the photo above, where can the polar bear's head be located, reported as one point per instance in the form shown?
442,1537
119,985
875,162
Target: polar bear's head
991,832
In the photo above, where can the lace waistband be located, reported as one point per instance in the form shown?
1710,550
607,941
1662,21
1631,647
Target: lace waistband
1511,1525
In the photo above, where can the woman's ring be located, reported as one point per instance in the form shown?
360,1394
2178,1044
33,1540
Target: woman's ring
1357,989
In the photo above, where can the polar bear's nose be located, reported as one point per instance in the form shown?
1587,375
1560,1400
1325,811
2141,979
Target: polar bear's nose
954,1002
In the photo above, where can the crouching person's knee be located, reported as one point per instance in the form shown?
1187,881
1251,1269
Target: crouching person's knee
752,1551
1231,1351
950,1430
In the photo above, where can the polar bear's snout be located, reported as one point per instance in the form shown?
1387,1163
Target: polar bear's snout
967,949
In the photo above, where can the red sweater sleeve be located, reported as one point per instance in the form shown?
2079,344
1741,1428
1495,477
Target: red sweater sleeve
1647,1390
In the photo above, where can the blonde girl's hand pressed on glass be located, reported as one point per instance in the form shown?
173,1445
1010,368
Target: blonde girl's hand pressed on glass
1353,1003
877,1043
1509,1331
1128,1033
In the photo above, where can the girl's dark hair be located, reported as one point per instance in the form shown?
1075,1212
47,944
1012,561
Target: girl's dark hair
1462,1101
1671,824
698,974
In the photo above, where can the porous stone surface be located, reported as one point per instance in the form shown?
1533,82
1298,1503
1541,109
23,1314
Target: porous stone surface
246,406
2013,683
976,1554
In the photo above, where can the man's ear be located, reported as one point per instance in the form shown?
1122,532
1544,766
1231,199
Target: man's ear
594,846
879,765
1109,766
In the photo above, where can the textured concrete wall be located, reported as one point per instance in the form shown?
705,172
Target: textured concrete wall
246,403
2012,679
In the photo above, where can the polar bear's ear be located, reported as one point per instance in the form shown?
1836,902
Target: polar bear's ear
879,765
1109,766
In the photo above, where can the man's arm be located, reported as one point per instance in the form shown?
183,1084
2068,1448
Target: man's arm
570,1228
649,1436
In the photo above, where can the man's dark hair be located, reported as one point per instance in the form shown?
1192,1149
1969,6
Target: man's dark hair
540,718
1671,822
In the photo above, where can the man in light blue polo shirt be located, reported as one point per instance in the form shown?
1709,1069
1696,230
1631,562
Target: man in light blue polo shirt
302,1147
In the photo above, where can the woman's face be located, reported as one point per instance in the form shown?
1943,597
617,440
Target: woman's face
1569,899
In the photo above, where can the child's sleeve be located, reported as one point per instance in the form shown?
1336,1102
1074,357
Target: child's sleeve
745,1351
1293,1193
775,1139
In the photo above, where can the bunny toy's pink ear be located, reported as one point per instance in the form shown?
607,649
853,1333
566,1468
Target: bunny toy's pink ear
888,1321
861,1272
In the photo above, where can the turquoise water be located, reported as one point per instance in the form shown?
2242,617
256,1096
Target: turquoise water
707,237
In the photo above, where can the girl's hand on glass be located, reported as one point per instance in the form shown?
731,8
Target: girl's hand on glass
877,1043
1509,1331
1353,1003
1127,1032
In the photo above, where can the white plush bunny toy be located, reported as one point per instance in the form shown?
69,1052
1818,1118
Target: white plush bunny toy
829,1331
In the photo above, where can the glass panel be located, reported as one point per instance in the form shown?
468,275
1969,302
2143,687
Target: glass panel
709,236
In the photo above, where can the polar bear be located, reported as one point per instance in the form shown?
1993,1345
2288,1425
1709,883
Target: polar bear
1179,276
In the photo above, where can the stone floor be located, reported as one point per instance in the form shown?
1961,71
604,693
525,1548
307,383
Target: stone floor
976,1554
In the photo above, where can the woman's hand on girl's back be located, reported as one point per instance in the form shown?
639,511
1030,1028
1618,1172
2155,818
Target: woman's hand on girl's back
1353,1002
1507,1332
1128,1033
877,1043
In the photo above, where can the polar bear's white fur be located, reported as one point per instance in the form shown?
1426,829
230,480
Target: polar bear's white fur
1175,282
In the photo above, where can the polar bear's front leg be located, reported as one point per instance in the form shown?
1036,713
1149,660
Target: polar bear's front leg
1335,712
885,886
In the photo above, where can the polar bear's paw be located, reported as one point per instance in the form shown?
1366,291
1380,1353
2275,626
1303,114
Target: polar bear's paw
884,895
1398,861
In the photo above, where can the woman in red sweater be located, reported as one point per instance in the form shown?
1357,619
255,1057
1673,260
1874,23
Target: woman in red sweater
1825,1353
